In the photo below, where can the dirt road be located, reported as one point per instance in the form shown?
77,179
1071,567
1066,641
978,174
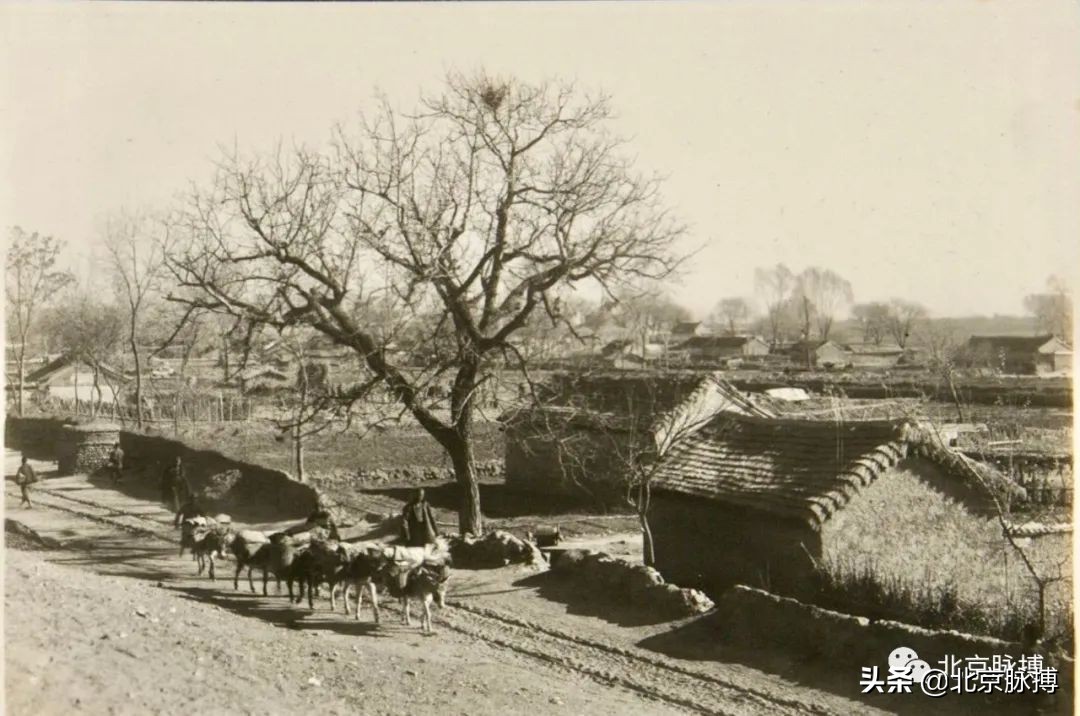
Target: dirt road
111,621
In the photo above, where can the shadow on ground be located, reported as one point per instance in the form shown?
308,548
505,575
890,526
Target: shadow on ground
702,639
117,557
143,482
282,614
585,602
498,500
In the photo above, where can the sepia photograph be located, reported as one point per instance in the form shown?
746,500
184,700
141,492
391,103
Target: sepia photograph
574,357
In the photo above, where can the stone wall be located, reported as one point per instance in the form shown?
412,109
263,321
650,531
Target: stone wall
85,449
756,618
403,476
600,573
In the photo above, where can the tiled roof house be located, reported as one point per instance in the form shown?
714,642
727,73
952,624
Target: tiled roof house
764,502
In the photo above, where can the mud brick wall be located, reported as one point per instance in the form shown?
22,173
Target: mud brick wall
37,438
261,494
643,392
569,459
260,491
615,388
709,546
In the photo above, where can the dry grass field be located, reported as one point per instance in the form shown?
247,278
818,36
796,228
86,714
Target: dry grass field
333,450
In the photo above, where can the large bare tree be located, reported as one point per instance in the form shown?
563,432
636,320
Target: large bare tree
137,244
903,318
89,330
647,313
730,314
774,286
873,318
31,282
1053,309
827,292
474,210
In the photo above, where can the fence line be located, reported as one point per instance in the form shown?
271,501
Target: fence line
209,409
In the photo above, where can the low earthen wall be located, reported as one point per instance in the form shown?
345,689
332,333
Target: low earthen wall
37,438
260,494
756,618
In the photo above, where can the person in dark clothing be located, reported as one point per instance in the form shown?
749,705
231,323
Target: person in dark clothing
24,478
190,509
116,463
175,490
418,522
320,517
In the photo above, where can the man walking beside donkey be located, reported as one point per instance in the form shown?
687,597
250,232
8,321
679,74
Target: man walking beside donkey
418,522
175,490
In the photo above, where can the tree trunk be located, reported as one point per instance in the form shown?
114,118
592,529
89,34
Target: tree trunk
298,450
224,359
470,520
956,398
138,378
648,550
22,379
458,444
95,389
298,436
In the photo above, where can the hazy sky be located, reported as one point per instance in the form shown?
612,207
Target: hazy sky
925,150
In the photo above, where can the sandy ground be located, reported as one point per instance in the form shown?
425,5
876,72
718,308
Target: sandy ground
106,619
108,645
115,623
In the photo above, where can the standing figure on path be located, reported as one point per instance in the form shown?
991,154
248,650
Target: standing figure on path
116,463
175,490
24,478
418,522
191,508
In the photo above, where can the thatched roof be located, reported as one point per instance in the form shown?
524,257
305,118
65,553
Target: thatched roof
803,469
